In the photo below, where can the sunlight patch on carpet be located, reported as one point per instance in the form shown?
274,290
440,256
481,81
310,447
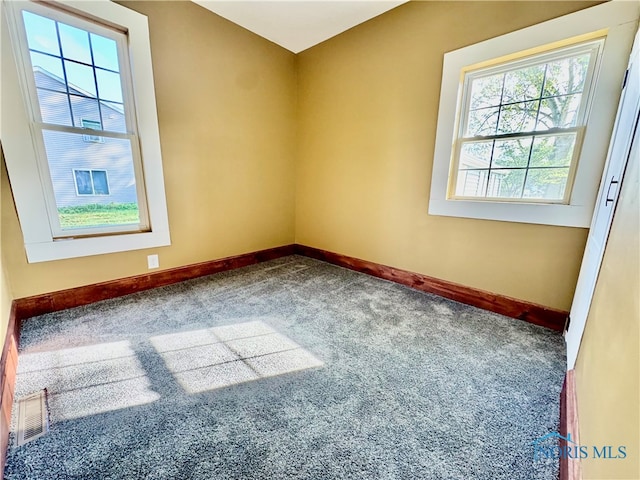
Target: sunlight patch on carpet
218,357
89,380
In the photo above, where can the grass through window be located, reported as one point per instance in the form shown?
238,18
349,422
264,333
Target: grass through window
96,214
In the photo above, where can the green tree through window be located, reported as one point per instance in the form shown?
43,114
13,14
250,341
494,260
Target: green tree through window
521,126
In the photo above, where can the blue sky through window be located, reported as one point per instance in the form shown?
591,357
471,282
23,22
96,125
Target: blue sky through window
84,62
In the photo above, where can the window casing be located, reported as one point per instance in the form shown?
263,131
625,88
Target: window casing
616,23
137,129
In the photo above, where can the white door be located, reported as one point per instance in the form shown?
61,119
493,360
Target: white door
624,130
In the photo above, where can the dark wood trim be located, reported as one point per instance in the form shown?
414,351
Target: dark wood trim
569,467
511,307
8,366
12,333
84,295
75,297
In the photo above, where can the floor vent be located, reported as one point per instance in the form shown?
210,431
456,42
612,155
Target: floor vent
33,417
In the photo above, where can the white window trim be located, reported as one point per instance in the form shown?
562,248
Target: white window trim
20,154
619,18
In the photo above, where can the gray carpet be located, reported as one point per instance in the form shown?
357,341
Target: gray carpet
288,369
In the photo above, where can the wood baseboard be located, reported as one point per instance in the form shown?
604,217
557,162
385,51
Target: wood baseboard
75,297
511,307
569,467
8,367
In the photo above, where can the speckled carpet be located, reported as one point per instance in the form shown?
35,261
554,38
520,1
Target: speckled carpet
288,369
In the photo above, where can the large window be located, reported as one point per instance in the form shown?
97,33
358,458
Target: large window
525,119
521,126
81,82
86,115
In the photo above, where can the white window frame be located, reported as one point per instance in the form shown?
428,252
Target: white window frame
615,20
93,188
20,150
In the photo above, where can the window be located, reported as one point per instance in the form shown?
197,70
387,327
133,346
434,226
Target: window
522,125
93,125
79,76
91,182
525,119
72,63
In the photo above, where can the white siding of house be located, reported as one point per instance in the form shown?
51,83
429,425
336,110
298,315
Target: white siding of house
67,151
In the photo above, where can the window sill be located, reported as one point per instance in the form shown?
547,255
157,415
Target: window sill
83,247
537,213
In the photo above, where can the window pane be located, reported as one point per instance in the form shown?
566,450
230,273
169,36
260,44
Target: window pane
506,183
105,52
41,33
486,92
118,205
523,84
54,107
75,43
482,122
84,109
113,117
472,183
109,85
475,155
100,184
511,153
80,78
519,117
83,182
560,112
47,71
546,183
566,75
553,150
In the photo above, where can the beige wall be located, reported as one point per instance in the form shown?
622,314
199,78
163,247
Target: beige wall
368,105
226,106
366,114
608,365
5,305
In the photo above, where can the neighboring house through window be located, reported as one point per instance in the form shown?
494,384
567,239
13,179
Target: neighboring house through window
76,78
93,125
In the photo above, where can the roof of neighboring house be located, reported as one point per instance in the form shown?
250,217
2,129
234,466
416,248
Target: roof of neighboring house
73,89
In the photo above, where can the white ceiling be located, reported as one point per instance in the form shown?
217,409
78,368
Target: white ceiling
298,24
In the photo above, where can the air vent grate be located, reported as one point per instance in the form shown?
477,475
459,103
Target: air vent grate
33,418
